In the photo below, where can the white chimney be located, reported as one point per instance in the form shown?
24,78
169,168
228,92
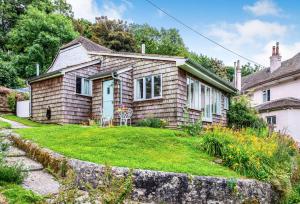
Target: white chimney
37,69
238,76
275,59
143,49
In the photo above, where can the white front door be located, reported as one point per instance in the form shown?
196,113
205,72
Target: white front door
108,99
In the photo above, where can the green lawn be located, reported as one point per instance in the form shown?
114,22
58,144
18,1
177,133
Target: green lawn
15,194
4,125
23,121
134,147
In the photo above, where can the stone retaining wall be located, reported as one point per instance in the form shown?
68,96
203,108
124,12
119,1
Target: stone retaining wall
164,187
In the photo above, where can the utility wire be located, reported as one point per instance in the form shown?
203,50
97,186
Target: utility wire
207,38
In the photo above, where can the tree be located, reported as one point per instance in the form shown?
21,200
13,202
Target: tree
214,65
113,34
83,27
247,69
164,41
36,38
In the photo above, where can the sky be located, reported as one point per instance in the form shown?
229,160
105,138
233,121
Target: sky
249,27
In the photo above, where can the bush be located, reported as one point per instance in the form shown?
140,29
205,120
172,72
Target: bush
152,122
242,115
192,128
11,174
269,159
12,101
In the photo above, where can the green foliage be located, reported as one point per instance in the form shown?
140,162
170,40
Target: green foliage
268,158
36,39
83,27
247,69
191,127
152,122
212,64
12,101
113,34
242,115
163,41
18,195
11,174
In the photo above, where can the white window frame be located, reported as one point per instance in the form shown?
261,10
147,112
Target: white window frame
265,95
144,88
191,103
82,86
226,102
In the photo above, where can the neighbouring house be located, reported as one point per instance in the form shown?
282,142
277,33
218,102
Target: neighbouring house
275,92
4,92
87,81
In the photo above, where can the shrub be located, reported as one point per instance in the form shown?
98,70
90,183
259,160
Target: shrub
269,159
11,174
152,122
242,115
12,101
192,128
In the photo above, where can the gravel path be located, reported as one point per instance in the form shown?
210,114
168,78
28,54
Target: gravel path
14,125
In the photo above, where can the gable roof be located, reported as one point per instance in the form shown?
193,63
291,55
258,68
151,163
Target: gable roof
89,45
287,68
279,104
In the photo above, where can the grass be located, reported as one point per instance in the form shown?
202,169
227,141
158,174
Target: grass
134,147
15,194
4,125
24,121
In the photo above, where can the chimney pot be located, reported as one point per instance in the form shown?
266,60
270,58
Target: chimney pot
275,59
273,51
277,48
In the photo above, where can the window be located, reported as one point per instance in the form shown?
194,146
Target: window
148,87
83,86
271,120
193,93
226,103
266,95
216,102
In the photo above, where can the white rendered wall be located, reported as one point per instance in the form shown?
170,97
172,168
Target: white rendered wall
283,90
23,109
70,56
287,121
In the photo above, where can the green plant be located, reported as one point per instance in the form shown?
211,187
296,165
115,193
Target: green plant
152,122
232,185
242,115
11,174
12,101
192,128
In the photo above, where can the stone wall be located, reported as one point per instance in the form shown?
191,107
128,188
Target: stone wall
3,103
164,187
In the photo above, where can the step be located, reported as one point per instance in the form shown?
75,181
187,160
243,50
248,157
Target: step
28,164
41,182
14,152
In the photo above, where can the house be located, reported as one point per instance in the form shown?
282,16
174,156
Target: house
275,92
87,81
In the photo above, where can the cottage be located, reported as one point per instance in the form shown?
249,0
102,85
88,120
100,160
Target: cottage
275,92
87,80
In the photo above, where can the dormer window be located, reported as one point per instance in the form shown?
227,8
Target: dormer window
266,95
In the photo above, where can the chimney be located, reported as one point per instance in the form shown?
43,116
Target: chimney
238,76
275,59
143,49
37,69
234,74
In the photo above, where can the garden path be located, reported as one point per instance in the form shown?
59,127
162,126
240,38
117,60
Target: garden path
14,125
37,178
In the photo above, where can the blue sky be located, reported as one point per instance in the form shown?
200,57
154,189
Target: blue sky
248,27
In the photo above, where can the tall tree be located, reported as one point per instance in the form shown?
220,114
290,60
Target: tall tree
214,65
113,34
83,27
164,41
247,69
36,38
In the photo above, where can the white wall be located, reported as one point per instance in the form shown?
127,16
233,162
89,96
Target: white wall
70,56
23,109
287,121
283,90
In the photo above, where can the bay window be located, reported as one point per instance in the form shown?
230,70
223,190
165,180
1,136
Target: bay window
83,86
149,87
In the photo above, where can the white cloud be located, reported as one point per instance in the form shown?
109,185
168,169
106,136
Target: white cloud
89,9
263,8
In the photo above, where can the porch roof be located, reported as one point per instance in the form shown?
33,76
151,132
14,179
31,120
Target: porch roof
279,104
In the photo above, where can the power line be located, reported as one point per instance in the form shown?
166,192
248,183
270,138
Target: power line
197,32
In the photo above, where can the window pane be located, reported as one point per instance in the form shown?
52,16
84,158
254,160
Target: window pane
86,87
203,98
148,87
208,102
139,89
188,92
78,85
157,85
192,85
197,93
268,95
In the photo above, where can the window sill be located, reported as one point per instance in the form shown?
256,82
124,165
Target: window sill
209,120
148,99
195,109
83,95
